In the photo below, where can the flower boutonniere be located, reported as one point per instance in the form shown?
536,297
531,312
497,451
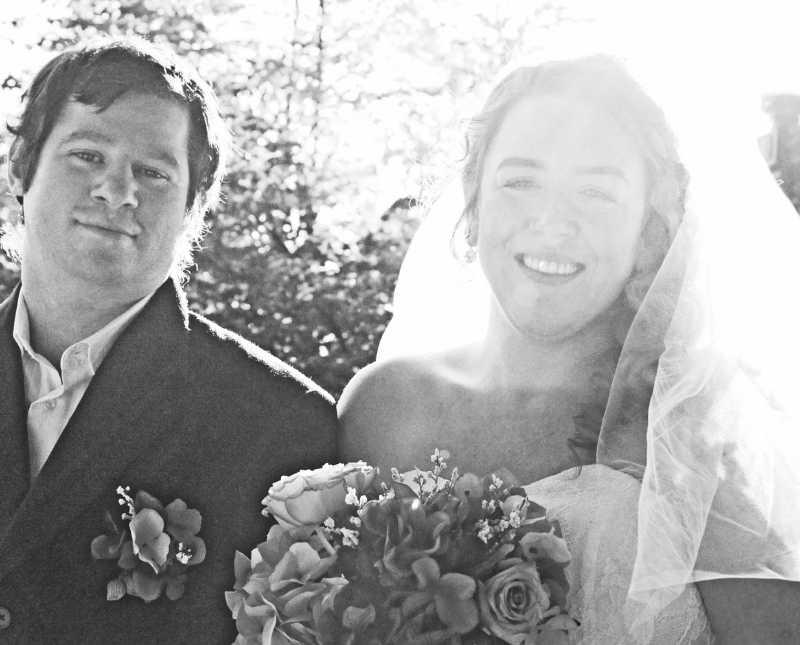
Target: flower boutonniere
154,546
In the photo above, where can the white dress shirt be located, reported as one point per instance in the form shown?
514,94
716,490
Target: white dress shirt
52,397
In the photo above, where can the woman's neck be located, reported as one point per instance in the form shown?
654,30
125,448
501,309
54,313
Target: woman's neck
509,359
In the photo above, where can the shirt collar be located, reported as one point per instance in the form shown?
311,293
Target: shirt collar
98,344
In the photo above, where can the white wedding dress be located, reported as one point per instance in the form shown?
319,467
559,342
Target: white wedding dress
597,512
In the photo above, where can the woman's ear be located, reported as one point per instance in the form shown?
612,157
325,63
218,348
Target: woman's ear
472,228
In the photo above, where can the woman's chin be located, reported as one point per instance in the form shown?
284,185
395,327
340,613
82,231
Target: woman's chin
556,328
549,329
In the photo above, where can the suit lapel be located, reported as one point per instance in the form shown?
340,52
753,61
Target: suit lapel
13,412
105,433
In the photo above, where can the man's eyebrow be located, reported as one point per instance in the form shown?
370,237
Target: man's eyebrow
164,156
159,154
90,135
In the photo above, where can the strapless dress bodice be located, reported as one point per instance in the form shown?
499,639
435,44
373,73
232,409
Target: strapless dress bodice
596,509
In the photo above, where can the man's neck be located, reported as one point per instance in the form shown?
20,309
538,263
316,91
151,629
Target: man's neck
60,316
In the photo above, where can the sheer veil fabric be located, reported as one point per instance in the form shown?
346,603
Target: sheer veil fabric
716,340
720,482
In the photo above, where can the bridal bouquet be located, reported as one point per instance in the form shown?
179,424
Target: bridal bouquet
425,558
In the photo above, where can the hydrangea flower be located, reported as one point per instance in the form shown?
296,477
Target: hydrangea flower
155,549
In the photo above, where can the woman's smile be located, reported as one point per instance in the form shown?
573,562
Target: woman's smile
547,271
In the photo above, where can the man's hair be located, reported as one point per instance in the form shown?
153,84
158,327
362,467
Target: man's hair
99,73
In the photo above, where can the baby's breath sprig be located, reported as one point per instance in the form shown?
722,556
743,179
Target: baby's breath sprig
454,475
125,499
495,530
515,518
497,487
431,482
353,499
184,553
342,534
439,460
385,491
422,491
488,506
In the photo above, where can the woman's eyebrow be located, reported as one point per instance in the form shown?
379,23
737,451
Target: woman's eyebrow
517,162
529,162
613,171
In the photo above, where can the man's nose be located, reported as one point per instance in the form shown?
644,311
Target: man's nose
116,187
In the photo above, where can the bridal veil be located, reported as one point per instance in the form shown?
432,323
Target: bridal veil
716,340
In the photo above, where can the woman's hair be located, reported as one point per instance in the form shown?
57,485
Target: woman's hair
603,82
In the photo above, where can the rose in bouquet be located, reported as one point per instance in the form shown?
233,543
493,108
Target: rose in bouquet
423,558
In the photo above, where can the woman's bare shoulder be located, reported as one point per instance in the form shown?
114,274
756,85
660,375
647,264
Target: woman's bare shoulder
389,404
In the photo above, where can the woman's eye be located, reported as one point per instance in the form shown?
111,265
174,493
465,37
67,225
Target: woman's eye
520,183
600,195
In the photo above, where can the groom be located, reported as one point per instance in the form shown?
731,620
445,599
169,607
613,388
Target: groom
106,378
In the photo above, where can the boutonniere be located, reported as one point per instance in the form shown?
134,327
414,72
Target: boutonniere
154,545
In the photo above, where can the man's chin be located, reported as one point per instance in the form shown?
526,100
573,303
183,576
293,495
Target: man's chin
112,268
99,267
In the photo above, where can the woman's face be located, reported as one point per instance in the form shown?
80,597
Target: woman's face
560,212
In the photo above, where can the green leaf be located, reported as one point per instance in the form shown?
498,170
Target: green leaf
427,572
175,589
106,547
455,604
403,491
115,590
146,585
358,618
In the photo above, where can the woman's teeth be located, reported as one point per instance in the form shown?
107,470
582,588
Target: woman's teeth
550,268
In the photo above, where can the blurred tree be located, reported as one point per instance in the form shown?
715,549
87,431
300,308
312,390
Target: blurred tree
346,115
343,112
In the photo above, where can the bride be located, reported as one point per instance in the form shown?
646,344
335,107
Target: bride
602,316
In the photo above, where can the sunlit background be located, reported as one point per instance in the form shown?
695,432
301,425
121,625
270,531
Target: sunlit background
348,113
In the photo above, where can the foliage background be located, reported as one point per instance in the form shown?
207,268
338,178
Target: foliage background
346,114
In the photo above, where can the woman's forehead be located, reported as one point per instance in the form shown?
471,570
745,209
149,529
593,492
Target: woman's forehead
552,129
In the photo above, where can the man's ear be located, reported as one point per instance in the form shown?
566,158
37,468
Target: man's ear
15,182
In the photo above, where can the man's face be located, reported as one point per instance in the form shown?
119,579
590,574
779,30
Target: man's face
107,204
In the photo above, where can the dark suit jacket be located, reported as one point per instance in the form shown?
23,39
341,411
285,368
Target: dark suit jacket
180,408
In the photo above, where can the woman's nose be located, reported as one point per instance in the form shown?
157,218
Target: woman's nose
553,216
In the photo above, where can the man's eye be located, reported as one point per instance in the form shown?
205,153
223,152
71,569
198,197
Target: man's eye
87,156
152,173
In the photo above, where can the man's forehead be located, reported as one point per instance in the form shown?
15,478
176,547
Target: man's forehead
146,120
